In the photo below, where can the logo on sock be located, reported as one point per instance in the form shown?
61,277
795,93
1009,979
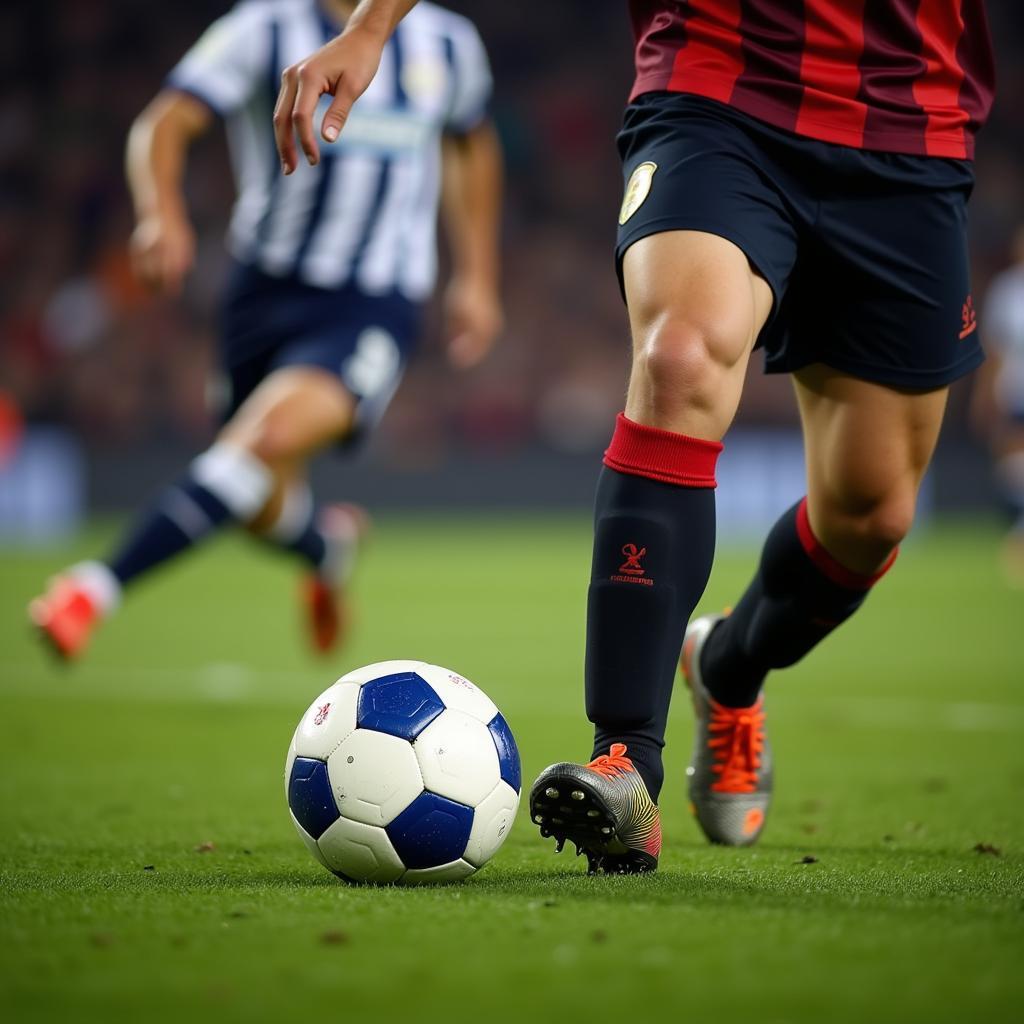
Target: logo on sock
631,570
631,566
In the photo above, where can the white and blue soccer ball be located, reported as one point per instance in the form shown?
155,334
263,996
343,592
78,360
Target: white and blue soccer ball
403,772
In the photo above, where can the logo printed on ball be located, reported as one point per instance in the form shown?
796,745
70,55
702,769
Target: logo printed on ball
321,714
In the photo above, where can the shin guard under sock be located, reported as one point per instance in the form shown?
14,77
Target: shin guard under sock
798,596
654,539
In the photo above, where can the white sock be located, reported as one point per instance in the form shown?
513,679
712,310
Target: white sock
99,583
296,510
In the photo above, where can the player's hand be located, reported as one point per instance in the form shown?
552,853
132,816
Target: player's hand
473,321
344,67
163,249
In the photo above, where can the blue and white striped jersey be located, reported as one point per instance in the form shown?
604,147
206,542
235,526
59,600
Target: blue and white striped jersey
366,215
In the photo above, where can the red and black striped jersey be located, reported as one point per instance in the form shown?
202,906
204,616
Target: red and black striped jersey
903,76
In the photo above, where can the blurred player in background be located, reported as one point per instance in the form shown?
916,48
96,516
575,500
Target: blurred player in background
796,177
998,401
331,268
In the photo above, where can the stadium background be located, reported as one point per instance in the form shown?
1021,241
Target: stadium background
148,870
124,375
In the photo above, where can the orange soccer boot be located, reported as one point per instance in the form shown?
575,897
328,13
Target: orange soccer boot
730,773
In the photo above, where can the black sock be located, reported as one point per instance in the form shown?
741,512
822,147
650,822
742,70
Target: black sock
224,484
654,539
798,596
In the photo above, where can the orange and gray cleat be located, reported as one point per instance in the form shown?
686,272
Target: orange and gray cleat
604,809
730,773
65,617
324,594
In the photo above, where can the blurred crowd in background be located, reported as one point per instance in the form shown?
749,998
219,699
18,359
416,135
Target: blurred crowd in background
83,345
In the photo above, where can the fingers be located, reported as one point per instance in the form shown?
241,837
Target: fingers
293,115
307,95
337,114
284,133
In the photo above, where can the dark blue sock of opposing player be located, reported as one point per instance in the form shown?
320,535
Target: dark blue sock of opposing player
798,596
297,531
654,540
224,484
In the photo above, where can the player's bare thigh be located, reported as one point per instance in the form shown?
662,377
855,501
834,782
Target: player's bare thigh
696,307
867,449
293,413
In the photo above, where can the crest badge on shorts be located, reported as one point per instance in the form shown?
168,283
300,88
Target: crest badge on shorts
637,189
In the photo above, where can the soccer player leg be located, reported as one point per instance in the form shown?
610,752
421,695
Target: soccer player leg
298,410
696,307
282,421
868,447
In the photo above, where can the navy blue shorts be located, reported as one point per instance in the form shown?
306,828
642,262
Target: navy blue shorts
272,322
865,252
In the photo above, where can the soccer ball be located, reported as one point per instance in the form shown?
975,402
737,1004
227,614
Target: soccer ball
403,772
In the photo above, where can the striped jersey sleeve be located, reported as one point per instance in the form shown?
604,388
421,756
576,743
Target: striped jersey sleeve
228,63
471,77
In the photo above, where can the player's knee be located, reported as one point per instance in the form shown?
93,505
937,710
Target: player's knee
272,440
878,526
890,521
682,365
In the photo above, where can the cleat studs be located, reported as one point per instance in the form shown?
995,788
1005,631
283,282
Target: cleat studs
551,793
577,794
557,821
606,831
560,844
593,814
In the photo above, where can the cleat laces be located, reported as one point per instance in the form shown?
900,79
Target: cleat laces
736,743
614,763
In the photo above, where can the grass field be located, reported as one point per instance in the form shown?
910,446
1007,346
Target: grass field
900,747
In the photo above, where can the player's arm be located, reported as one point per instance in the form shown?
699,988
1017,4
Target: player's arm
471,208
163,243
344,67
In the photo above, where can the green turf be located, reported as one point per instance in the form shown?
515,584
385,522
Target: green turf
900,745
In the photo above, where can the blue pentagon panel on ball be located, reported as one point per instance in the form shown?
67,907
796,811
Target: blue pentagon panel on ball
402,705
310,797
508,752
431,831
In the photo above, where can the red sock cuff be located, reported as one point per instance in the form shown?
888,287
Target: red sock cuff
662,455
834,570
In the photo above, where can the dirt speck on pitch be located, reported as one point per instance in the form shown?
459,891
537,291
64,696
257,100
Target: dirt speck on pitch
206,847
101,940
334,937
992,851
807,859
599,935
